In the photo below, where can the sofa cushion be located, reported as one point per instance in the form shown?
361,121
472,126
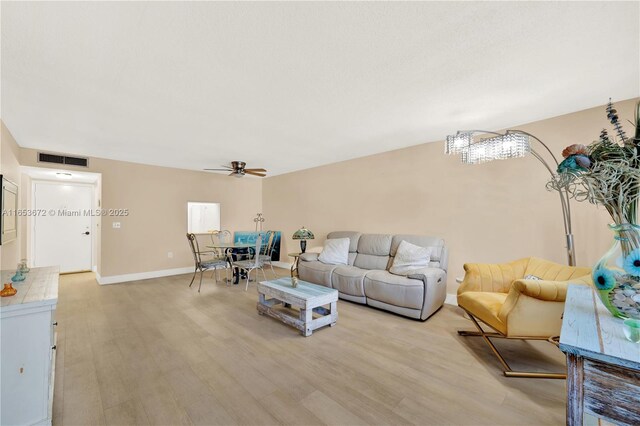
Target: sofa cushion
335,251
438,251
394,289
353,236
410,257
316,272
349,280
373,251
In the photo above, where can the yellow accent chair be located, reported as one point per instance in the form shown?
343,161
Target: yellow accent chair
499,296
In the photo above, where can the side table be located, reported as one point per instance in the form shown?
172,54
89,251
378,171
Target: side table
294,266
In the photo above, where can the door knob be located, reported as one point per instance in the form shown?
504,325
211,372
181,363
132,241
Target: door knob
86,233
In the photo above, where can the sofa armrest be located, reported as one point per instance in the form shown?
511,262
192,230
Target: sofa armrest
435,289
550,291
523,293
492,277
309,257
424,274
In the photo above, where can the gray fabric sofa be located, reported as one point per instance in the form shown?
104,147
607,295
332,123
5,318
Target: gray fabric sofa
367,280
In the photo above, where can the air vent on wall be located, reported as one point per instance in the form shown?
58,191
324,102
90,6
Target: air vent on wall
62,159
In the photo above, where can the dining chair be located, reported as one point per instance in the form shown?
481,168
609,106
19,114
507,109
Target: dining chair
251,264
201,265
218,238
223,236
267,250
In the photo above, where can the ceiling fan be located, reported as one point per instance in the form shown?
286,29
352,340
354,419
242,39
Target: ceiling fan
238,169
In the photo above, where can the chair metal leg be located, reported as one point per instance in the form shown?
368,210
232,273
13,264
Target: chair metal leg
508,372
263,274
248,274
201,272
194,276
273,270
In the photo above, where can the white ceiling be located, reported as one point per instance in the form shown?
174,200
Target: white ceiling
288,86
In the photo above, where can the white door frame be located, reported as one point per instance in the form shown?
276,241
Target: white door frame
94,219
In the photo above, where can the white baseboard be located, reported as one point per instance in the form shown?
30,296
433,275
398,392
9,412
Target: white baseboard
114,279
451,299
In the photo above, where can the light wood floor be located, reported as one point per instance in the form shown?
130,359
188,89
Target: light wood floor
157,352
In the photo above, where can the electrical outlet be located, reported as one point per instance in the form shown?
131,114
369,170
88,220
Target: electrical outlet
170,254
116,225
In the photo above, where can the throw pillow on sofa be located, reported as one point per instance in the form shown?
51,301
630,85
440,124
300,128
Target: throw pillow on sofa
409,258
335,251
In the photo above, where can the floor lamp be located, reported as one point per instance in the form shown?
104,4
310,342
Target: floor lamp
502,146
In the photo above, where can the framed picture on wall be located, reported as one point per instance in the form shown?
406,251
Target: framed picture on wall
8,207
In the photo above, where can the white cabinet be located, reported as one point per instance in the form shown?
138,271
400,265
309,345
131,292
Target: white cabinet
27,351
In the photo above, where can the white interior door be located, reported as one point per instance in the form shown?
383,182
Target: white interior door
62,226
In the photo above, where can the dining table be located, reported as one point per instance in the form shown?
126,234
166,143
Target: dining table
231,252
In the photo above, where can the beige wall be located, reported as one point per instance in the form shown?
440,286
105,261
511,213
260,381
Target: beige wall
9,168
487,213
492,212
157,200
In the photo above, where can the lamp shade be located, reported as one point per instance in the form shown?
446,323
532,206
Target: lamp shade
303,234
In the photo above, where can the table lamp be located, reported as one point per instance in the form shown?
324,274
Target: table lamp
303,234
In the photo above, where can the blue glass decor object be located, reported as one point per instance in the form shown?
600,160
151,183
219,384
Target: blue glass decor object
19,276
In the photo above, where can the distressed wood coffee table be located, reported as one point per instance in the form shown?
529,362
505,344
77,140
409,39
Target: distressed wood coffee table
309,298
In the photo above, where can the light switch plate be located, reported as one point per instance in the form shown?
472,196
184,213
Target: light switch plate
116,225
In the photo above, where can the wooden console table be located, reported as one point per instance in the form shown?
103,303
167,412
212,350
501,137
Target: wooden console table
603,368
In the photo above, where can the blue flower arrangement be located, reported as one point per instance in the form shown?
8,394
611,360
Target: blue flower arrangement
632,263
604,279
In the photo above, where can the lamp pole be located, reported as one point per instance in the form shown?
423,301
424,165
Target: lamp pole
564,194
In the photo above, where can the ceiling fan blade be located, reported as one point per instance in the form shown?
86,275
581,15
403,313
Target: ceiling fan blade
218,170
249,172
232,174
256,170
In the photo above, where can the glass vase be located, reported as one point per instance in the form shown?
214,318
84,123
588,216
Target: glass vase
616,276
